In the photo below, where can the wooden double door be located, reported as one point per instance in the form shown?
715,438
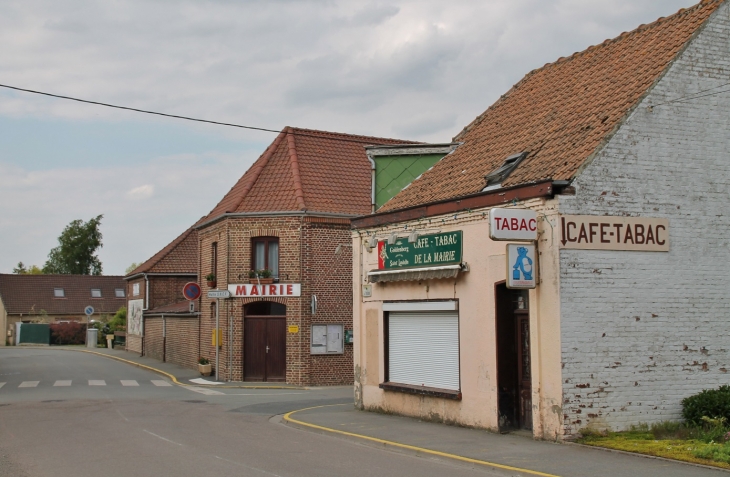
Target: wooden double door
264,342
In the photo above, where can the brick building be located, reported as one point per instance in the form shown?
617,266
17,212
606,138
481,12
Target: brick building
54,298
608,170
160,322
289,213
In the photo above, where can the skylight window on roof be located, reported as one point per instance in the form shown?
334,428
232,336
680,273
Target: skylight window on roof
119,292
95,293
59,293
496,177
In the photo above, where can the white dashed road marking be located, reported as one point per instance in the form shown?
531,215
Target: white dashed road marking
2,384
207,392
160,382
63,383
97,382
29,384
129,382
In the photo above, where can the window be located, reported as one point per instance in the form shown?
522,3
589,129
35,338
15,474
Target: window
135,289
327,339
265,254
59,293
214,258
495,178
96,293
119,292
422,344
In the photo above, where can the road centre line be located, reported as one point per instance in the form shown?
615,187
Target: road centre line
63,383
97,382
163,438
29,384
2,384
128,382
288,418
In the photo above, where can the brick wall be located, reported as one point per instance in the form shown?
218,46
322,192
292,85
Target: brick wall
329,275
153,337
182,341
167,290
640,330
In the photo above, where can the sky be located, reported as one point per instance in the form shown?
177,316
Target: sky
418,70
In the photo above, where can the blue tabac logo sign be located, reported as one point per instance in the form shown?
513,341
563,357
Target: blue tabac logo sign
521,265
427,251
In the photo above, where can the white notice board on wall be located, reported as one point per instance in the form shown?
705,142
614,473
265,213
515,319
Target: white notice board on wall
328,339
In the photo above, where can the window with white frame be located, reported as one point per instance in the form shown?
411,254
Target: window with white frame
59,293
135,289
96,293
119,292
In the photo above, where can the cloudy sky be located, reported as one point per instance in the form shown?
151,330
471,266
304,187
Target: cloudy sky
417,70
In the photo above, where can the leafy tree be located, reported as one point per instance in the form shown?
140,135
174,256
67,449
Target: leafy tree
131,267
75,253
33,270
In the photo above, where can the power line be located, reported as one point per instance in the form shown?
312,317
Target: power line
696,95
188,118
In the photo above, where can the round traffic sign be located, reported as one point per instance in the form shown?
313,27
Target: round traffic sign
191,291
89,310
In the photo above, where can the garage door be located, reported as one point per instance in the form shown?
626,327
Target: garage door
423,348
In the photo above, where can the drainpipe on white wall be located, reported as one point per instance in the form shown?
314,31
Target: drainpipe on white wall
372,184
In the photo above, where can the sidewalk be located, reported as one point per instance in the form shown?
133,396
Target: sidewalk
516,455
176,373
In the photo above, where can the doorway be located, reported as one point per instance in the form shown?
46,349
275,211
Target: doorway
264,342
513,359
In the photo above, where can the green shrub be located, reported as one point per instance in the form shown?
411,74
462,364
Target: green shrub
718,453
712,403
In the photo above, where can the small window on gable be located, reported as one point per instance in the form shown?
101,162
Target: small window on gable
119,292
59,293
135,289
96,293
496,177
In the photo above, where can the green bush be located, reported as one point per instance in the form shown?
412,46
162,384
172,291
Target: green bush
712,403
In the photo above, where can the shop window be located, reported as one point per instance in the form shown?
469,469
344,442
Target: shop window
119,292
422,345
327,339
59,293
96,293
265,254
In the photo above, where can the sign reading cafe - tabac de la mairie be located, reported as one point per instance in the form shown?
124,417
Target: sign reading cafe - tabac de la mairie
427,251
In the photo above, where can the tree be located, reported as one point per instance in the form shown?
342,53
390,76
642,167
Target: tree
131,267
33,270
75,253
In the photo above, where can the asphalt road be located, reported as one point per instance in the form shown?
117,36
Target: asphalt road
64,413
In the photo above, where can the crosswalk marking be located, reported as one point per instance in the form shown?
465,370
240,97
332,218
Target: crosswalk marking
65,382
102,382
29,384
207,392
97,382
160,382
129,382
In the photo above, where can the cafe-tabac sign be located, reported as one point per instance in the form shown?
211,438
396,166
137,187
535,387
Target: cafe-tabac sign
588,232
428,250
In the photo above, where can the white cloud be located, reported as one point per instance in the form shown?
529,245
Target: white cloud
141,192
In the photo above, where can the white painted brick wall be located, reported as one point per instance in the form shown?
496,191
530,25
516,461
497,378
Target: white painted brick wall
640,331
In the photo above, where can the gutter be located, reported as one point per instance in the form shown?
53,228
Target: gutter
142,274
372,181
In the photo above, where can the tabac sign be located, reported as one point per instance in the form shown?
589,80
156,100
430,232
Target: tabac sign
427,250
512,224
248,290
593,232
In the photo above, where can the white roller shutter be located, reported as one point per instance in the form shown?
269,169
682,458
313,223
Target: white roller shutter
423,348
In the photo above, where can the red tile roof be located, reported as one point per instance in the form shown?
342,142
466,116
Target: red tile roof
306,170
179,256
181,307
560,113
29,294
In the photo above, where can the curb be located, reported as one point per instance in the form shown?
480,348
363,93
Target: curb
417,451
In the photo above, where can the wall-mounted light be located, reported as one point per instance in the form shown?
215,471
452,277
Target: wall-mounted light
413,237
373,242
392,238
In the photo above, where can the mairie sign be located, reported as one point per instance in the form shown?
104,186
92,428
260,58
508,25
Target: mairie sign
428,250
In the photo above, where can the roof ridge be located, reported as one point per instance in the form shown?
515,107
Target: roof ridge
166,250
359,136
294,163
563,59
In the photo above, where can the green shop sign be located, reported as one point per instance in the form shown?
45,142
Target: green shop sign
427,251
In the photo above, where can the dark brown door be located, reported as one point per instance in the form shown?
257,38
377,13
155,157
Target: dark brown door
276,349
254,349
513,359
264,342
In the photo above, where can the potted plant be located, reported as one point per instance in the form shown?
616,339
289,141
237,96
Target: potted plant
252,276
265,276
210,278
204,366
